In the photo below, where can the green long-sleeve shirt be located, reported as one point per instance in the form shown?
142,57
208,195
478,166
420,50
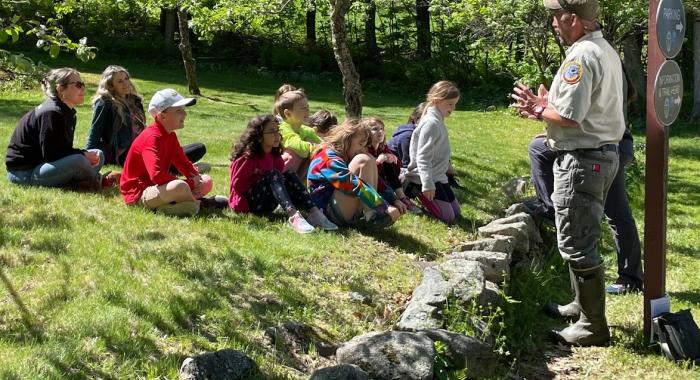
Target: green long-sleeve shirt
301,143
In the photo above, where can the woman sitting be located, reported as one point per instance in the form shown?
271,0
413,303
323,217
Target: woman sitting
41,151
118,117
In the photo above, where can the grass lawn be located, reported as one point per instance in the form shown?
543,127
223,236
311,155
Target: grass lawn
92,289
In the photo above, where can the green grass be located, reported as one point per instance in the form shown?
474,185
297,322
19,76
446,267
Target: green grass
93,289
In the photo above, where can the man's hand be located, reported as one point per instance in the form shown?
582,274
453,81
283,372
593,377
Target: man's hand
429,195
528,104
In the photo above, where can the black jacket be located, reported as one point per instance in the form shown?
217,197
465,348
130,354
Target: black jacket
44,134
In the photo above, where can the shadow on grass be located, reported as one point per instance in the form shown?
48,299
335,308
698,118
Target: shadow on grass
684,250
692,296
33,329
403,242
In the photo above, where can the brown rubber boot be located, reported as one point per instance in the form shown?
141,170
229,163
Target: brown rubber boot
569,311
591,329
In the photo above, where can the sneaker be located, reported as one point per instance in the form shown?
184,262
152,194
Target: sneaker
217,202
187,208
299,224
619,289
376,222
410,206
319,220
202,167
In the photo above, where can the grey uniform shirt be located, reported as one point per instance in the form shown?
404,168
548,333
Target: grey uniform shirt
429,151
588,90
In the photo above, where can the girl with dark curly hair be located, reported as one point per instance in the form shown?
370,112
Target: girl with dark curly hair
258,184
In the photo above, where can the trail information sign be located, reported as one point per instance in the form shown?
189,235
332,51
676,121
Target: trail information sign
668,92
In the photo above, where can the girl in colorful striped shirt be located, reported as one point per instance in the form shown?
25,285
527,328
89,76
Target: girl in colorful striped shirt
342,178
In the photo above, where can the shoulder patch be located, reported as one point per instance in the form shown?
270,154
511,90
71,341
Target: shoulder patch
572,72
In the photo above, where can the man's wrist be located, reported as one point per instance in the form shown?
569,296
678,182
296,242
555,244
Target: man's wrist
539,110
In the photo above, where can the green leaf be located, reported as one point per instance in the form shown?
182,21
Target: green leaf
3,36
54,50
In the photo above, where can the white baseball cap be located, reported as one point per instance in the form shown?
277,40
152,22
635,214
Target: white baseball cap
167,98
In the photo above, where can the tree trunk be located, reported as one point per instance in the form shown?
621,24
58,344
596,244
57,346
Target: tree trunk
311,24
632,50
423,28
351,79
371,33
695,114
168,23
186,50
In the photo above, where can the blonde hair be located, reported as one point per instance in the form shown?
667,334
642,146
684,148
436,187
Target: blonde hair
339,138
105,90
441,91
287,100
55,78
284,88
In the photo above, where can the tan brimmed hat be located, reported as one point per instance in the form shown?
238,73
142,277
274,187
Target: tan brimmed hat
586,9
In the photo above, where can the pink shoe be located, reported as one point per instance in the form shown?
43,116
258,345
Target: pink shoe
299,224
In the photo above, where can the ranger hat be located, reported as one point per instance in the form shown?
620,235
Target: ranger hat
586,9
167,98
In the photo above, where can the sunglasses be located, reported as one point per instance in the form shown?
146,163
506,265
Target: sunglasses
271,132
78,84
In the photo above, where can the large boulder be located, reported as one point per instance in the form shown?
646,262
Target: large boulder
225,364
496,265
340,372
390,355
466,352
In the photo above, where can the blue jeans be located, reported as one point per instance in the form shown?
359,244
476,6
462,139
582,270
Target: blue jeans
75,167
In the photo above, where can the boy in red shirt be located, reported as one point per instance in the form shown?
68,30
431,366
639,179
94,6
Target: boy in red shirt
146,179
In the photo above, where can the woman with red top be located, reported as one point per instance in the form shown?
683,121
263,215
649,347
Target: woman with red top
258,184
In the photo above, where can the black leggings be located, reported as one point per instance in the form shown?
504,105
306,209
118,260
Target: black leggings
390,174
194,153
275,189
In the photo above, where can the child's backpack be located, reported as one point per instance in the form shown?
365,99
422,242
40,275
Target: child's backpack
679,336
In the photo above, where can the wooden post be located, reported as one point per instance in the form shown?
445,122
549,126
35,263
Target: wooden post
655,183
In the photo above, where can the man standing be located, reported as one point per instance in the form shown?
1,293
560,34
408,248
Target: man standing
583,112
146,179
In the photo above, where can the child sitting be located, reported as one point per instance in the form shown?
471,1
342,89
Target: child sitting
388,165
401,139
322,122
430,154
343,177
292,107
258,183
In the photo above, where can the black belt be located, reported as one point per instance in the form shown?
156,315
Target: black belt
604,148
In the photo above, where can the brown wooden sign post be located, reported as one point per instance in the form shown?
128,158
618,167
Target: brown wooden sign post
663,90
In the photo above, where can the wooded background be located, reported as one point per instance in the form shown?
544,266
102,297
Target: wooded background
483,45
